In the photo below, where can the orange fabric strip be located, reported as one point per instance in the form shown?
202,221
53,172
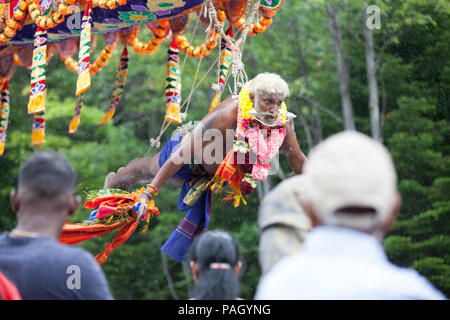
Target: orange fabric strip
119,239
76,232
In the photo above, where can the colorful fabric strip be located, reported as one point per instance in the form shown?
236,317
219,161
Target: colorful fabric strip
75,122
225,62
229,173
36,103
4,115
38,131
119,84
76,232
173,84
84,77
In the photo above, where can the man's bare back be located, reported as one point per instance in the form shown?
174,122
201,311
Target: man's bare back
222,118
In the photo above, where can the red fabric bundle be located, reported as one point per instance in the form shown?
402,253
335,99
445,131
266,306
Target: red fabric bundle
108,206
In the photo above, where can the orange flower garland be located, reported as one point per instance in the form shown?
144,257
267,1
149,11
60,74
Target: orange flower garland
202,50
15,23
46,22
98,64
103,59
108,4
259,26
70,63
54,19
161,31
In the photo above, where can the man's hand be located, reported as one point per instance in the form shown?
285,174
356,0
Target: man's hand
140,208
145,197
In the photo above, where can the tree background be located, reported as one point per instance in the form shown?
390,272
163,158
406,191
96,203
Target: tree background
412,73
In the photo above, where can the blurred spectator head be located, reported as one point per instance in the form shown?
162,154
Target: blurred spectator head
351,182
46,185
215,263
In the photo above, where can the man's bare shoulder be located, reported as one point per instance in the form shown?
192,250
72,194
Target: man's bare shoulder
231,105
223,116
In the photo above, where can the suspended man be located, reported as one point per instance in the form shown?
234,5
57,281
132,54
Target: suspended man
233,145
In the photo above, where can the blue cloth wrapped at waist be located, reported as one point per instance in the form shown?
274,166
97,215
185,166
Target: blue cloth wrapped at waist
196,219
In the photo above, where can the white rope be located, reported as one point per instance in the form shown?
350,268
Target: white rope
237,66
196,71
201,80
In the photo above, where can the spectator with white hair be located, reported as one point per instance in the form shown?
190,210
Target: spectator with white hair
350,195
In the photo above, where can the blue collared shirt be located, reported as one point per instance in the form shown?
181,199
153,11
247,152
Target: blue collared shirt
340,263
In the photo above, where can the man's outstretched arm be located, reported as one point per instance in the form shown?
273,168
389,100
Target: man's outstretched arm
294,155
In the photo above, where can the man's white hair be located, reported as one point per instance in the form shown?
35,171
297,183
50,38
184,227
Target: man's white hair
268,82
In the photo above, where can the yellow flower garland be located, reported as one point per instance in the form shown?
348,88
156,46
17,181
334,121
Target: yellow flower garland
246,105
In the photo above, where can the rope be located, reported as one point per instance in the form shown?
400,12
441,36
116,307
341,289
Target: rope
196,72
237,66
155,143
201,80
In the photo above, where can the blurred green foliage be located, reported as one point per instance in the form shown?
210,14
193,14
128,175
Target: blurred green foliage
413,72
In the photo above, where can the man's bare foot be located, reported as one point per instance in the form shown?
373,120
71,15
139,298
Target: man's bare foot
112,183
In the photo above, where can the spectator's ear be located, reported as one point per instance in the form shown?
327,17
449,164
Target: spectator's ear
315,220
15,202
237,268
75,203
252,98
390,219
195,270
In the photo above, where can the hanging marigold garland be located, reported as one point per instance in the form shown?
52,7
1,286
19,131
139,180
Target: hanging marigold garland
15,23
55,18
261,25
108,4
204,49
158,36
99,63
103,59
70,63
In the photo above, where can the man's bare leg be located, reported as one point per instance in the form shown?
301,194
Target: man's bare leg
141,170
